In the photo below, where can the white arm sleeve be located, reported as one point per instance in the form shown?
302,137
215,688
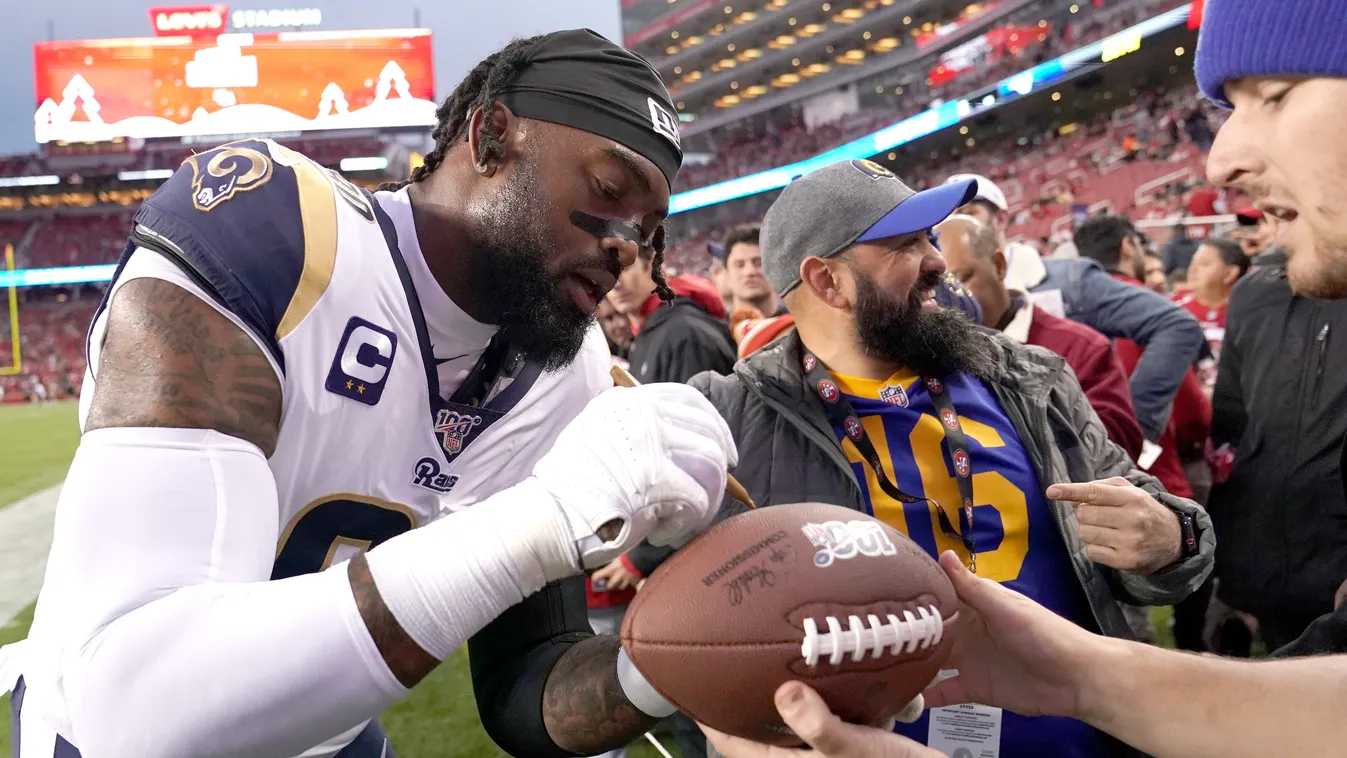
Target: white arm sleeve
160,634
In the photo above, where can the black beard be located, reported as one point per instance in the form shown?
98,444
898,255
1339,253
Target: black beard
935,343
534,315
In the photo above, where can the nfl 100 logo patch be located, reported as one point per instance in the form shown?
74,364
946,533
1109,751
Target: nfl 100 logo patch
454,428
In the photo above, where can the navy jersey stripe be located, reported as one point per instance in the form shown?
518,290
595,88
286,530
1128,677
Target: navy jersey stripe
390,233
232,217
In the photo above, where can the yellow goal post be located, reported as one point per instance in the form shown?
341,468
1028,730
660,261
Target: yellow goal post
16,363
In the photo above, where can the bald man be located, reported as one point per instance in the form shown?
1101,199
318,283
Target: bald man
972,253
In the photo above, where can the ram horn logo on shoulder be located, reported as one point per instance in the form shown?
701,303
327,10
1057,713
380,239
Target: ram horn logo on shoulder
227,172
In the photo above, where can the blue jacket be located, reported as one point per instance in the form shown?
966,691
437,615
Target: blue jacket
1081,290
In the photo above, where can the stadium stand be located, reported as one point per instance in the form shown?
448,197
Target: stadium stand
1044,177
746,149
79,240
51,333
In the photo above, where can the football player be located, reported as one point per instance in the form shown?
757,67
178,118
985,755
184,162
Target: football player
297,388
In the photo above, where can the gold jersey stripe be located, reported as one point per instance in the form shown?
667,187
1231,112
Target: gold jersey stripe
318,214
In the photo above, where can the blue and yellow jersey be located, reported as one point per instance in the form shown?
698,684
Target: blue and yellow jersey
1016,537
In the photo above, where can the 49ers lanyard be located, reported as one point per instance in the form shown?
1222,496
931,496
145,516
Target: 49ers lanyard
842,414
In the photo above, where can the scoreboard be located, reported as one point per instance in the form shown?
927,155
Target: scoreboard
195,84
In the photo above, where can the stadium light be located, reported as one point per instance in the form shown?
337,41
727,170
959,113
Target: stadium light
377,163
34,277
137,176
28,181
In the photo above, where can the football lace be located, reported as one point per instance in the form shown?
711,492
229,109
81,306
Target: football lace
898,635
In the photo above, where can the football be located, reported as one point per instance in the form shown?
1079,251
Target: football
817,593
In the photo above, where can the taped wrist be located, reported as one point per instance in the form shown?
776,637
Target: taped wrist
446,580
639,691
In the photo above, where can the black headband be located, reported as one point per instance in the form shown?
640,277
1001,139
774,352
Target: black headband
577,78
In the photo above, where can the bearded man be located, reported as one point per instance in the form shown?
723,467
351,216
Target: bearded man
885,402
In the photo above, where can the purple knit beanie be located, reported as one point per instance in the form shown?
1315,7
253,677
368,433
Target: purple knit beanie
1242,38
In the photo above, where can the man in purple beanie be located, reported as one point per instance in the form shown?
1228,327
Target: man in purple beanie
1281,67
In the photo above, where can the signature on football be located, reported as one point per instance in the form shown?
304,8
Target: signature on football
756,577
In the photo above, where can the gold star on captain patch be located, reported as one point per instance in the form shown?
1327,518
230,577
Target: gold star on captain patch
349,383
360,388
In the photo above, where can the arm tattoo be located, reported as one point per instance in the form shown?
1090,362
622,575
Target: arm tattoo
171,360
584,708
408,662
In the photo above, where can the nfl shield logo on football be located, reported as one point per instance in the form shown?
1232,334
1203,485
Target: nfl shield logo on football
853,426
828,391
961,462
934,385
454,428
947,416
809,363
894,394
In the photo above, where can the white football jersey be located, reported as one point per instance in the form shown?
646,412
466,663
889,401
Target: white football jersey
314,270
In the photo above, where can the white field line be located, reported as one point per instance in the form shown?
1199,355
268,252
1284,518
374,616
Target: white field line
25,539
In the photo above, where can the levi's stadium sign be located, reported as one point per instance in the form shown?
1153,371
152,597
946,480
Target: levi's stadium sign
215,19
189,20
284,18
232,83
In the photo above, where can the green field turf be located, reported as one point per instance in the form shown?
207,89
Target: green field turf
439,718
36,445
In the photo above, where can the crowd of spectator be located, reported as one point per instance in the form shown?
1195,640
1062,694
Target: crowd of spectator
1143,159
83,240
51,338
748,149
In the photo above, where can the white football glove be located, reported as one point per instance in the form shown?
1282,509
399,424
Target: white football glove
652,458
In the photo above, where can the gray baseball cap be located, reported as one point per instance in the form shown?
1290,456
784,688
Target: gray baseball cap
832,208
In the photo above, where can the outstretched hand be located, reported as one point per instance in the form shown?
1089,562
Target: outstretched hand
1013,653
1009,651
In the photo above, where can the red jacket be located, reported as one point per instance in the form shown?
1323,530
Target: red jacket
1189,422
1099,371
700,289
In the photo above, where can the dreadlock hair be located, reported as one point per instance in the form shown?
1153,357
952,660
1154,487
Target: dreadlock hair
479,90
662,287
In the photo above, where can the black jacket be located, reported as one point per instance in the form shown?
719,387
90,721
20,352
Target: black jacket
1281,399
678,341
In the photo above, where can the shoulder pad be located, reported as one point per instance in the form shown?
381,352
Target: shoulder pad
256,224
